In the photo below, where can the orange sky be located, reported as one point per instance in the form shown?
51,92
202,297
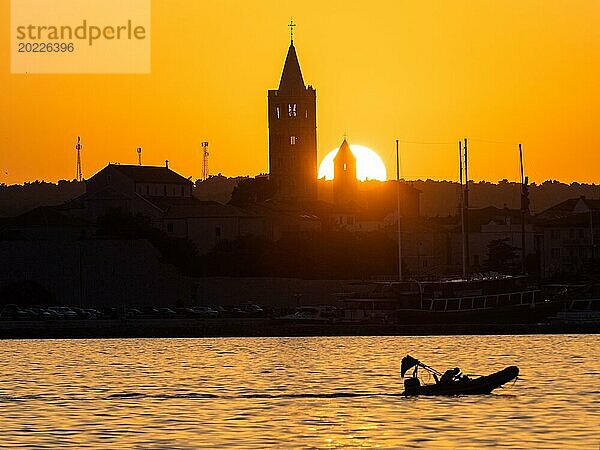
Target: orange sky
428,71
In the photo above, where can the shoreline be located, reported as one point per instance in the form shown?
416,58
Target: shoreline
260,327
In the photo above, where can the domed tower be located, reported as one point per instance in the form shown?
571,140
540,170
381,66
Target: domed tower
293,133
345,183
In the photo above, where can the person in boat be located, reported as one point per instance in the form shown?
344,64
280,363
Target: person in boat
452,376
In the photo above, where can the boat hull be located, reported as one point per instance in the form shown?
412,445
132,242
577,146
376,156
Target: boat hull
477,386
507,314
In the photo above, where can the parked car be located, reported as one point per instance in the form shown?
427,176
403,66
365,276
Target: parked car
39,312
93,313
132,313
110,313
150,312
253,310
14,312
205,311
67,312
167,313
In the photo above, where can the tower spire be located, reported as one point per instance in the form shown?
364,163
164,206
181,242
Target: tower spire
291,77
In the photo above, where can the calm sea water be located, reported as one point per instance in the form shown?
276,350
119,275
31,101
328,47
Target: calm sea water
294,392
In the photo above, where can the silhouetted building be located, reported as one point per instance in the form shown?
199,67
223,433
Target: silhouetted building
293,133
571,231
165,197
378,199
285,219
46,223
425,248
130,189
206,223
150,181
486,226
345,184
92,272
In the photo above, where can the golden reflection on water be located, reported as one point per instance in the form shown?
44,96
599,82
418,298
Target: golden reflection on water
295,392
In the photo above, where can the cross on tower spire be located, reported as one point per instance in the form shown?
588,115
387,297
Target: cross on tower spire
292,25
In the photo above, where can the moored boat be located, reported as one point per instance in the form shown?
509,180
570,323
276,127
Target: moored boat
312,314
581,306
486,299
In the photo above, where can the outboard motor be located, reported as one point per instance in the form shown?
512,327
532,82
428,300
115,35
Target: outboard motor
412,386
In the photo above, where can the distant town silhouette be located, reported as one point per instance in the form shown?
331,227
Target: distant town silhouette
135,238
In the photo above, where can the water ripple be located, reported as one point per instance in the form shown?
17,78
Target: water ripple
294,392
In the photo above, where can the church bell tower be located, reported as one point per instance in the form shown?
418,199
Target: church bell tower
293,133
345,184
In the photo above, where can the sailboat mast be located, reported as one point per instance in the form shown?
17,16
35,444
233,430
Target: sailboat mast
398,213
462,211
466,209
524,208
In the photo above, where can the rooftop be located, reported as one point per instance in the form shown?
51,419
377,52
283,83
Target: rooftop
150,174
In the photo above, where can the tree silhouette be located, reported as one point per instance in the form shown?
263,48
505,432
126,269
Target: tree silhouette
501,256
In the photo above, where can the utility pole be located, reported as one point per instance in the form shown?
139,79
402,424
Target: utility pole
139,152
398,212
78,147
204,160
466,210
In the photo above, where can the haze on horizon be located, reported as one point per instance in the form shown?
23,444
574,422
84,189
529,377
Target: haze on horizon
495,72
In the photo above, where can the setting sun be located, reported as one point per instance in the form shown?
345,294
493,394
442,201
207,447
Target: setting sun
369,165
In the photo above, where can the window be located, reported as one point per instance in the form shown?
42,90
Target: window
555,235
306,113
182,191
278,112
218,232
292,109
147,189
350,220
169,227
292,140
345,167
555,253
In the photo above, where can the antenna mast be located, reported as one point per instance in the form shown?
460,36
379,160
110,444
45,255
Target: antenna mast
139,152
78,147
205,160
